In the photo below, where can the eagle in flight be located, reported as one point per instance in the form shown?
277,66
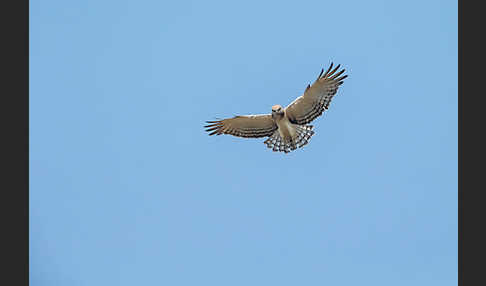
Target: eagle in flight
286,128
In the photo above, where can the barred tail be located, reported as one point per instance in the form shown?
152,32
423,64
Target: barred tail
304,133
301,138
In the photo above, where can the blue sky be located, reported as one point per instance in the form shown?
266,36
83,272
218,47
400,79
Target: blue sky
126,188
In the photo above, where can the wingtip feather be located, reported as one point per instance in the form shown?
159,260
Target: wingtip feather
327,72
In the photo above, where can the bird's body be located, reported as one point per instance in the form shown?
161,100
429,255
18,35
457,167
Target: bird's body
285,127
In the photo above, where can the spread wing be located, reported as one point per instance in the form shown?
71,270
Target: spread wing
316,98
248,126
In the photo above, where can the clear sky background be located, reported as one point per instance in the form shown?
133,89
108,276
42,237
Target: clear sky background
126,188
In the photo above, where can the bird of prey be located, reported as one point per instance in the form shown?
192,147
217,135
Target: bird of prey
287,128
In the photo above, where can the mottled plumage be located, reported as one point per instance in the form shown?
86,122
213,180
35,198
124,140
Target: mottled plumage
285,127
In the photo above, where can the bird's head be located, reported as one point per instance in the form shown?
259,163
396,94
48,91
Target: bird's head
277,111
